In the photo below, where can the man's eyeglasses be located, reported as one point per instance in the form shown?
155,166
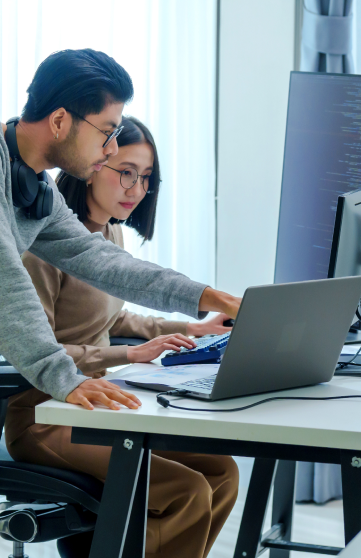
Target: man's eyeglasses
129,178
110,137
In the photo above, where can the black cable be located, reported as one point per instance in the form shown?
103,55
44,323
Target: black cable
166,403
342,365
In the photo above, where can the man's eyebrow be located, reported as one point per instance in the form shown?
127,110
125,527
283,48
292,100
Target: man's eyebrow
110,124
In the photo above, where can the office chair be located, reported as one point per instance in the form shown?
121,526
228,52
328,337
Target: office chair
43,503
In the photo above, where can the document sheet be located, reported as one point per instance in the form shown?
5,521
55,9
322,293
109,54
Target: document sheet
169,375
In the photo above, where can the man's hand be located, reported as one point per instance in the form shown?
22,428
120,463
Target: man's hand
154,348
212,326
217,301
102,391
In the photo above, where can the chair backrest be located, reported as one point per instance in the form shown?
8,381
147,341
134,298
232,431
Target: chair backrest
132,341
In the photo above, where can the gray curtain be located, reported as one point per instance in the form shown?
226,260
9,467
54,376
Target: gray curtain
327,36
326,47
318,482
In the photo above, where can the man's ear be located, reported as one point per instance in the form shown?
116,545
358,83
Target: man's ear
60,122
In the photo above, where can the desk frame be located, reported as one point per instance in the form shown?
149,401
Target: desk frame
124,503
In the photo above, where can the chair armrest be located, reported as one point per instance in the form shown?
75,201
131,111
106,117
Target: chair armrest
9,376
132,341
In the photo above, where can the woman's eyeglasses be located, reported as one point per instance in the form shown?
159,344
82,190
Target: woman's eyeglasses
110,137
129,178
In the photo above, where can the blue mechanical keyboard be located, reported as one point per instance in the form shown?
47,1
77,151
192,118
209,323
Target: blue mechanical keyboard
209,350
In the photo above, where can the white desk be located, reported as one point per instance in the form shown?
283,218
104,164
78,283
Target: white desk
353,549
323,431
312,423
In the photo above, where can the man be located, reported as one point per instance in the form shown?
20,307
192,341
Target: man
70,120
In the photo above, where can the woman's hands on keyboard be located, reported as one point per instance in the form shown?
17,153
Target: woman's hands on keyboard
214,325
154,348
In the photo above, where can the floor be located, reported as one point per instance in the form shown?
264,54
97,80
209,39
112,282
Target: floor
312,524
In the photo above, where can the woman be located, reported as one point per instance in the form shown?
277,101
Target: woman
82,318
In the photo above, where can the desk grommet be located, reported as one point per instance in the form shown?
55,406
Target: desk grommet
128,444
356,462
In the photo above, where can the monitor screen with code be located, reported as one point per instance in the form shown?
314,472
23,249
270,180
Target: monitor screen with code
322,160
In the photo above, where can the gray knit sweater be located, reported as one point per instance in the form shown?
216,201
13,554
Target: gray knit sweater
26,338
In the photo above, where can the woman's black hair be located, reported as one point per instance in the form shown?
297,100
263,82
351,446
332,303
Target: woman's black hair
84,81
142,219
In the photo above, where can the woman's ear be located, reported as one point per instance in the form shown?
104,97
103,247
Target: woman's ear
88,182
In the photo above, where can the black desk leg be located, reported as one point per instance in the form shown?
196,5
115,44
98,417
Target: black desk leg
135,541
117,500
351,488
255,508
283,500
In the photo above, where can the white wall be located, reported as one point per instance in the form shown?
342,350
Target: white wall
256,57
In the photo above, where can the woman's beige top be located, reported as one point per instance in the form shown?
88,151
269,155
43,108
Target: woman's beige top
83,318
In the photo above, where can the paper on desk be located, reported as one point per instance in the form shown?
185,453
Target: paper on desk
170,375
350,350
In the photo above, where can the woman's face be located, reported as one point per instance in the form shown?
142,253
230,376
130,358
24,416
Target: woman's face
106,197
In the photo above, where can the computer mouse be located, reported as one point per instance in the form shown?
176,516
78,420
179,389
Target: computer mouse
228,323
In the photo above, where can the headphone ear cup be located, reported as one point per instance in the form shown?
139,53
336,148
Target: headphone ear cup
48,200
43,204
42,177
25,184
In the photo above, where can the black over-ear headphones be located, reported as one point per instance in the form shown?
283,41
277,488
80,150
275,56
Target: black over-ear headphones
30,190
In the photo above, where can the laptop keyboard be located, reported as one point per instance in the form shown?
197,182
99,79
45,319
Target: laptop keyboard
203,383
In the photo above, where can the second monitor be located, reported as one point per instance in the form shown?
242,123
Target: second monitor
322,160
321,176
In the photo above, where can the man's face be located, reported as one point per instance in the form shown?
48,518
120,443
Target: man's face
82,153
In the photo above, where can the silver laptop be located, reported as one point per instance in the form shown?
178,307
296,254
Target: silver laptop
284,336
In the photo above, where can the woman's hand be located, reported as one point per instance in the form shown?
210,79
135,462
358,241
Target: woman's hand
102,391
214,325
154,348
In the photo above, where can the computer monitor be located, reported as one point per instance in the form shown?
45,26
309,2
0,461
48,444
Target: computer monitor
345,258
321,162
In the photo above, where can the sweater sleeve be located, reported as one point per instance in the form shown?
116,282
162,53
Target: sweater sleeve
129,324
26,339
91,360
66,244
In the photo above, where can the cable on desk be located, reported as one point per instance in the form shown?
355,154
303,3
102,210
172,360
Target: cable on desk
166,403
342,365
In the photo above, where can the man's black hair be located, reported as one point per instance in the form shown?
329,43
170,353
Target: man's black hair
142,219
84,81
